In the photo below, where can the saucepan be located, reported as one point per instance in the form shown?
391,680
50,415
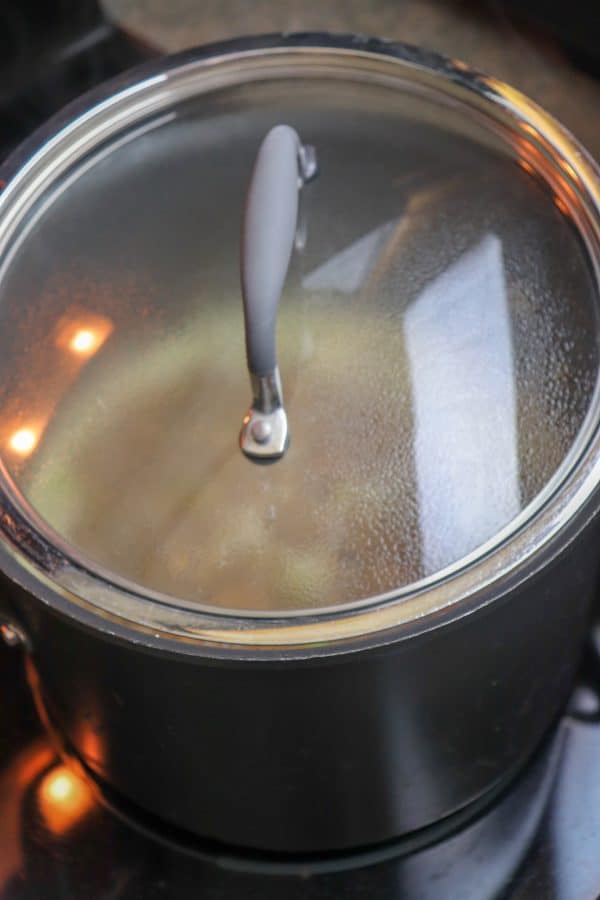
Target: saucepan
301,561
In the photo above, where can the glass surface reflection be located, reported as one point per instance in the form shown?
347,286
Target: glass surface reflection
458,341
348,270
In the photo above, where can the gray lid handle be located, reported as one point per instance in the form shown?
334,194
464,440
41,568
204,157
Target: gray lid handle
282,166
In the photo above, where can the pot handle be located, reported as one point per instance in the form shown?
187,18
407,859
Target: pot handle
269,224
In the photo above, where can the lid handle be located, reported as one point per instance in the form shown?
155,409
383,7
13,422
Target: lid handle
269,224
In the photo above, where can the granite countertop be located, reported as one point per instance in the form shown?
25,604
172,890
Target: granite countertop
481,34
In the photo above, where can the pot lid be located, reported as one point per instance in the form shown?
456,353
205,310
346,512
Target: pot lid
437,336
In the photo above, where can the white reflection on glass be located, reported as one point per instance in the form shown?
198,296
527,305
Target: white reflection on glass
458,342
347,270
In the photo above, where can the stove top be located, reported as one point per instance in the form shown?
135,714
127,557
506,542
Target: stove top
60,840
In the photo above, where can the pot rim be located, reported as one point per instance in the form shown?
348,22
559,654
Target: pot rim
34,555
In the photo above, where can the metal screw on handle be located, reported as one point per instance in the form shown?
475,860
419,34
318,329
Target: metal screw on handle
282,167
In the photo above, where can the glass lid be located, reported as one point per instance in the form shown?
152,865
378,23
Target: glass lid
437,345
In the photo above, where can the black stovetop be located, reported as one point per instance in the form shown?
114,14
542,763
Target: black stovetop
58,838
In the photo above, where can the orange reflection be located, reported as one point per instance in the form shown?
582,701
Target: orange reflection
64,799
84,341
23,441
525,126
32,763
568,168
92,748
77,336
532,160
82,332
14,780
60,786
561,205
526,167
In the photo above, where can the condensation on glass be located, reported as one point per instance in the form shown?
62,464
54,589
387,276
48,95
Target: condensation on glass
437,342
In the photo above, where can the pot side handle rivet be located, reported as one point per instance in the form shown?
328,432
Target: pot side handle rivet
12,635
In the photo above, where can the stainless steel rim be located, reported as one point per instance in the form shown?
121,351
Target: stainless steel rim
63,577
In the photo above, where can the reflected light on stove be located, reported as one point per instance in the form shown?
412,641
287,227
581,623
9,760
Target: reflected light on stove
60,786
32,762
92,747
15,780
64,798
23,441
